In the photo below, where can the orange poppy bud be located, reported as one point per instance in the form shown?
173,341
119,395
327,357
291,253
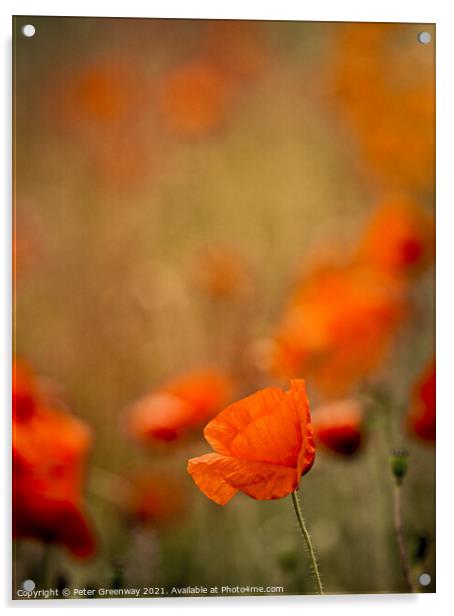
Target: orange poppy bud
338,426
421,418
263,444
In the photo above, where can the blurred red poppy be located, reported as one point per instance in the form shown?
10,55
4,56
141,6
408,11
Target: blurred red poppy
49,454
339,325
400,237
338,426
25,390
155,498
99,96
179,405
263,443
370,84
236,46
221,272
194,98
102,104
421,418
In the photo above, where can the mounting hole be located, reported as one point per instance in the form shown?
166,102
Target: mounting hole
28,30
28,585
424,38
425,579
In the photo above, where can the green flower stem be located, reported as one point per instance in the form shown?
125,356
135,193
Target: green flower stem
310,548
398,528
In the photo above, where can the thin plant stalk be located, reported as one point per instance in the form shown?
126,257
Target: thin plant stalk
398,528
310,548
46,566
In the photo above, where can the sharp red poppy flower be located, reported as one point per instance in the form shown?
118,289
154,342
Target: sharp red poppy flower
49,454
179,405
421,418
338,426
339,325
400,237
263,445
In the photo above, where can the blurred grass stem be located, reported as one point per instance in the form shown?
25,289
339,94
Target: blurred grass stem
46,566
310,548
398,528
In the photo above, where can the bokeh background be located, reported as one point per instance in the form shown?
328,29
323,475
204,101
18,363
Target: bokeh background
205,208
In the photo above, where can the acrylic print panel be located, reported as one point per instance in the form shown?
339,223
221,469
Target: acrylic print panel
224,308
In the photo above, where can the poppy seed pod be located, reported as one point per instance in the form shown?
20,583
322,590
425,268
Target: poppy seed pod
399,464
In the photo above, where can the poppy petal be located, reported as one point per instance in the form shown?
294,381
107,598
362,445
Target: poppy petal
76,533
268,426
214,474
207,476
238,429
298,398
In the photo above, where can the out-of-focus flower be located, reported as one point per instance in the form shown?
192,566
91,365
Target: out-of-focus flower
160,416
49,451
385,84
102,105
421,418
221,272
400,237
30,392
338,426
179,405
25,390
263,443
49,454
207,390
338,326
236,46
99,96
194,98
197,96
158,499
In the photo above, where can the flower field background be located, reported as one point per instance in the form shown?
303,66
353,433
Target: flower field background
202,210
